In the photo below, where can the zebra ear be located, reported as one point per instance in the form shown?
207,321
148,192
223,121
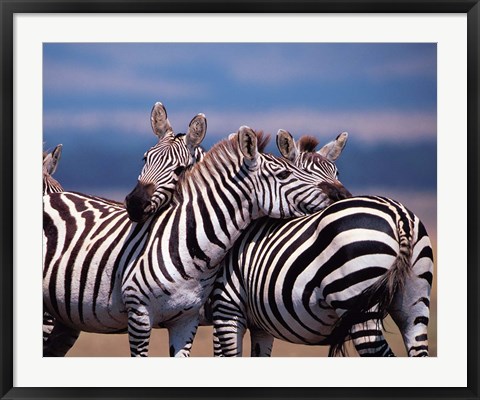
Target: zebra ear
50,162
247,140
332,150
286,145
160,123
196,132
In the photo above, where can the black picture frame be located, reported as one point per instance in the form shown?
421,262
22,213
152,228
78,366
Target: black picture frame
10,8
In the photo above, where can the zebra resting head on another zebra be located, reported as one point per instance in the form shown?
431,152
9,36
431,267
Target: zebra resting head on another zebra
324,278
164,164
106,274
216,199
50,162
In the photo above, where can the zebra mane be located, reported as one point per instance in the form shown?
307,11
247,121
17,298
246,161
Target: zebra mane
307,144
262,140
221,156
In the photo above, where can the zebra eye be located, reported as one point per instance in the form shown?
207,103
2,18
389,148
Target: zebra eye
284,174
178,170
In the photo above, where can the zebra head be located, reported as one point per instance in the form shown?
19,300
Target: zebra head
50,162
283,190
321,164
164,164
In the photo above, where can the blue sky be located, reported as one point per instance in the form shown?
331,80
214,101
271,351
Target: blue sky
98,97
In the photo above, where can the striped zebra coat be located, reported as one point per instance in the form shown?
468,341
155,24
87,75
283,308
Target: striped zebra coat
318,279
50,185
165,282
99,232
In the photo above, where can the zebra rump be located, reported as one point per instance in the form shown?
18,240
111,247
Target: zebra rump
379,296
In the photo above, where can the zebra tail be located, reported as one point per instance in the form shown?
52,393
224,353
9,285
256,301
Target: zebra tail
373,303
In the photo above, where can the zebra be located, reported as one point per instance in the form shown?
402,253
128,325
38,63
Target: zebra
241,299
50,185
109,226
50,162
321,164
164,283
321,278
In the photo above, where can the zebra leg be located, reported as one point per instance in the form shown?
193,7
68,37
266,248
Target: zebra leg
60,340
410,308
181,336
48,324
369,341
410,311
139,330
228,337
261,343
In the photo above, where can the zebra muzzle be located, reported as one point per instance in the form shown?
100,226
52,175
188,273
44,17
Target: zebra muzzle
335,191
138,202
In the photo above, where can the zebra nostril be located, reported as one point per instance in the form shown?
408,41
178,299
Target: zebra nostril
149,189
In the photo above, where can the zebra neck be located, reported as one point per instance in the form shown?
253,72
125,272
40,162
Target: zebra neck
200,229
210,224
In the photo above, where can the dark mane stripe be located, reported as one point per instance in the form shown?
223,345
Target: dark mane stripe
262,140
307,144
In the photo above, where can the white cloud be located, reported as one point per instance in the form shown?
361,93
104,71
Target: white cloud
368,126
63,78
272,66
413,67
111,122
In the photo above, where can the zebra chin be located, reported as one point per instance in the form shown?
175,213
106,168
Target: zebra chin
140,211
138,216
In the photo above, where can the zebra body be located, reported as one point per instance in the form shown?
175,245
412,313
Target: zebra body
165,282
317,279
88,241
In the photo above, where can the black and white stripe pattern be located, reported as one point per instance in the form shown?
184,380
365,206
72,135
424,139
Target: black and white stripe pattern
50,185
319,279
165,282
87,235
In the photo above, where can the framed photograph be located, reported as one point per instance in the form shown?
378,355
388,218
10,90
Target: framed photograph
401,78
